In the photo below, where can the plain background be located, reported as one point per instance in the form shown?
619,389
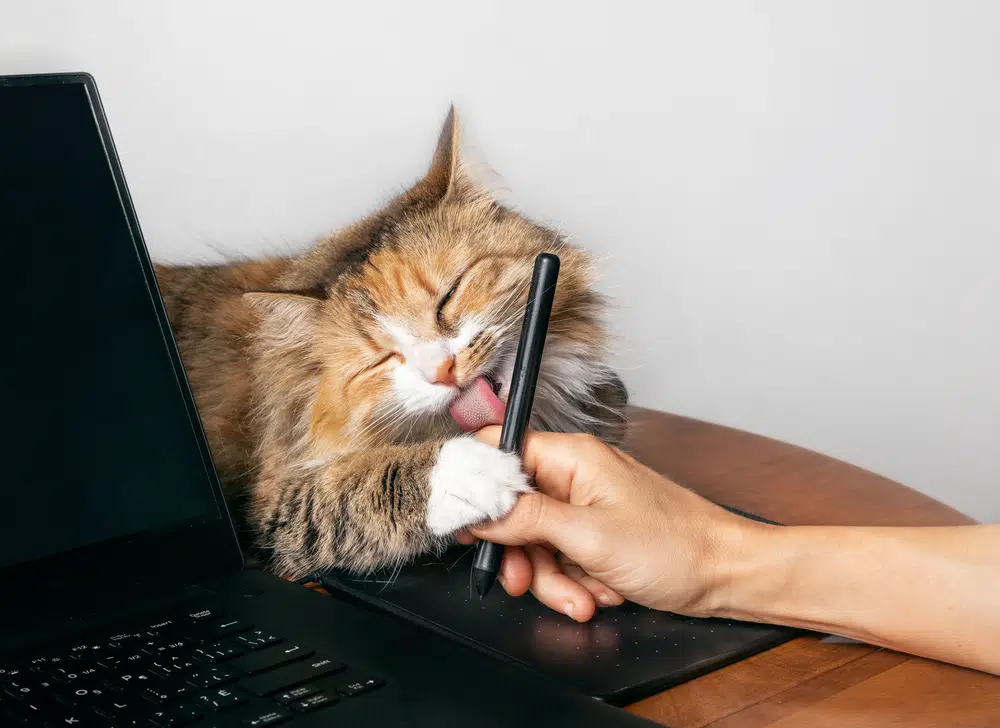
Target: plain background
798,201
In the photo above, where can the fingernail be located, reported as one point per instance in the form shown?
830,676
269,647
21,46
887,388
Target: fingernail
568,609
605,600
500,579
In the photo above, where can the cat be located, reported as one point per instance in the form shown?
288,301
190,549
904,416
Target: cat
325,380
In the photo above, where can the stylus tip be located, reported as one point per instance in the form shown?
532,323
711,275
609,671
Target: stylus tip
483,580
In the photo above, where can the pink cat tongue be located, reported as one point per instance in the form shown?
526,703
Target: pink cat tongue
477,407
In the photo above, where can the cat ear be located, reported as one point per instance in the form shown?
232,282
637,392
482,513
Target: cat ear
446,179
445,163
291,313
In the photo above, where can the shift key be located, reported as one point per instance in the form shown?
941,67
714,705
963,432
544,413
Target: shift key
290,675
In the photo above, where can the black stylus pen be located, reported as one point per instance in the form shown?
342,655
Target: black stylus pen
528,361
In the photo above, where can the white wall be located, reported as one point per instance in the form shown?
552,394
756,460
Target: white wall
800,198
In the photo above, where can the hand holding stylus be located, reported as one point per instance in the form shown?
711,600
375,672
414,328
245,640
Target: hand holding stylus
620,530
623,530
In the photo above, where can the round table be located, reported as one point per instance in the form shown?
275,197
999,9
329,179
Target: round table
811,681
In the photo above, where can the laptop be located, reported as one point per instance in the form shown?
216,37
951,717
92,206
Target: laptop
126,601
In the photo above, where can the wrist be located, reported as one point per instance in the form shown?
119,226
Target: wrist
775,574
746,562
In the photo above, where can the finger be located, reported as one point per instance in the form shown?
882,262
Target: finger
465,538
603,594
515,572
535,517
556,590
557,461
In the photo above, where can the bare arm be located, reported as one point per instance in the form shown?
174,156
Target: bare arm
928,591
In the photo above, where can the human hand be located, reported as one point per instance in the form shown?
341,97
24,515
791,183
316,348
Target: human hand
602,527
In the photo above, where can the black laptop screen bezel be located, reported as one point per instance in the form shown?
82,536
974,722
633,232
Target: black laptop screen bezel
180,554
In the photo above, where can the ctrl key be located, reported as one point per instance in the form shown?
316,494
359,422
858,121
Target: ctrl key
314,702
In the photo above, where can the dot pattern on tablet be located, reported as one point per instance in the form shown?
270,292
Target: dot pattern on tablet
621,655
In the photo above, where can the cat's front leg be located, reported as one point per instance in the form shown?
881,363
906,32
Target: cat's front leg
374,508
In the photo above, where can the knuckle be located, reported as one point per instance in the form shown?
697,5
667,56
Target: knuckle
593,443
530,511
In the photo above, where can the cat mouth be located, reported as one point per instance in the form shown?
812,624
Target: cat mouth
495,384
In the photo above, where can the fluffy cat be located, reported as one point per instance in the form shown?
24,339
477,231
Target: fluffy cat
324,379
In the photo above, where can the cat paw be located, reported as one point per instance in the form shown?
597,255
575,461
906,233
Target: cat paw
472,482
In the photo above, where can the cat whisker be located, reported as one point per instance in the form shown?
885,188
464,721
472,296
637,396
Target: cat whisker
392,576
377,426
462,556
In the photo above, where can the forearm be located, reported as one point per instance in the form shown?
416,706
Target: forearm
928,591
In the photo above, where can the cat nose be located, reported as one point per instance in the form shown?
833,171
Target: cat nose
445,373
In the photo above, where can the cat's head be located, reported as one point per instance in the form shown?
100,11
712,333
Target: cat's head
398,315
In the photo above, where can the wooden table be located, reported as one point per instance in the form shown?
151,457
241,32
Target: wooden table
809,681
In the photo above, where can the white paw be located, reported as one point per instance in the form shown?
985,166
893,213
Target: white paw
472,482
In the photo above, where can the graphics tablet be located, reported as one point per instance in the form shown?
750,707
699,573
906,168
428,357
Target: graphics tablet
622,655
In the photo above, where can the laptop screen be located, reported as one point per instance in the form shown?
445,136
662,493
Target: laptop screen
97,441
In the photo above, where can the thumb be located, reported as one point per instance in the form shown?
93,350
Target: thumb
536,517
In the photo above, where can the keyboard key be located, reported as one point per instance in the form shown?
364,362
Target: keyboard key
290,675
158,646
123,659
73,718
92,693
215,675
227,628
302,691
267,716
89,652
205,615
70,677
258,639
172,665
314,702
117,708
154,695
124,639
168,690
45,663
219,652
137,679
221,699
110,659
362,685
177,715
163,628
270,658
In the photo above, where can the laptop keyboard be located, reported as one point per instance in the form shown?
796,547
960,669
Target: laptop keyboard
198,668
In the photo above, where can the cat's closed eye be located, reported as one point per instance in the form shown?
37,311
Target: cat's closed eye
385,360
444,302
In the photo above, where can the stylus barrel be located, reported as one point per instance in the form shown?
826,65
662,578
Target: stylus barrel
527,363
